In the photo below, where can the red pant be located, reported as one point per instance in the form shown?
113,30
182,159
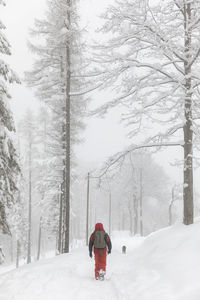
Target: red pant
100,260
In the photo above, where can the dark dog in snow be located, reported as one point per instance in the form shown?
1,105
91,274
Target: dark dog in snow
124,249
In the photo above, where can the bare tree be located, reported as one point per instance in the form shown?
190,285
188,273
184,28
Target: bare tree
152,61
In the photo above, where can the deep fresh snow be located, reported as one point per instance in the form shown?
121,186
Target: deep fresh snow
163,266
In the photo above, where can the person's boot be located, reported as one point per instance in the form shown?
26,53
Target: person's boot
101,275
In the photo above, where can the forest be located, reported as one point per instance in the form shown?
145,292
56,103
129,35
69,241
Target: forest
100,123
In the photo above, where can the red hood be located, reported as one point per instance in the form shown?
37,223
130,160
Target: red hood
99,227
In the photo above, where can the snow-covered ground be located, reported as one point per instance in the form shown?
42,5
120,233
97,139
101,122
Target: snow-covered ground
163,266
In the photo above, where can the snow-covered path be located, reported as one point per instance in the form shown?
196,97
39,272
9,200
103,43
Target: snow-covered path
63,277
68,276
164,265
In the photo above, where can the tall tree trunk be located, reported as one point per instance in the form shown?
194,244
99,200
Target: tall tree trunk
17,254
39,239
64,211
78,227
123,220
135,211
130,210
30,202
188,131
60,225
68,135
61,229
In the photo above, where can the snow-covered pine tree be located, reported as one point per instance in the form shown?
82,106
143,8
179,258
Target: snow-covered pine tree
152,61
18,225
9,167
57,74
49,166
41,177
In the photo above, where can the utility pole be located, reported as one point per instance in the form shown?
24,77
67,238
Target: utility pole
30,199
171,204
87,212
110,213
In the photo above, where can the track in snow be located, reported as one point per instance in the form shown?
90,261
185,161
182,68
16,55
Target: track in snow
68,276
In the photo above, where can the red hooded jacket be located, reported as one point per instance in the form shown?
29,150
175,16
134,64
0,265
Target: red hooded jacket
99,227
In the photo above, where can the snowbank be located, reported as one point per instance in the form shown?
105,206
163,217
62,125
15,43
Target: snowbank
163,266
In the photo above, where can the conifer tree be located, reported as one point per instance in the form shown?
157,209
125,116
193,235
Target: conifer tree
9,167
57,74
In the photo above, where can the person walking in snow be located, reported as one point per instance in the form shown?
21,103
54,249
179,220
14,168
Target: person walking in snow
101,241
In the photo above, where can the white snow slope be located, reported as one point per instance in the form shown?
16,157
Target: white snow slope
163,266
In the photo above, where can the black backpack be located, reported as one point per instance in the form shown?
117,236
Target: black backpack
99,239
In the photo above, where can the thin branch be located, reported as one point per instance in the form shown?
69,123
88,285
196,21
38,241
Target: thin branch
179,7
195,57
123,154
81,93
163,40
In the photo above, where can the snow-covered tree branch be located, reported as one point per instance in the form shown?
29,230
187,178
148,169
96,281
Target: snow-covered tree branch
152,63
